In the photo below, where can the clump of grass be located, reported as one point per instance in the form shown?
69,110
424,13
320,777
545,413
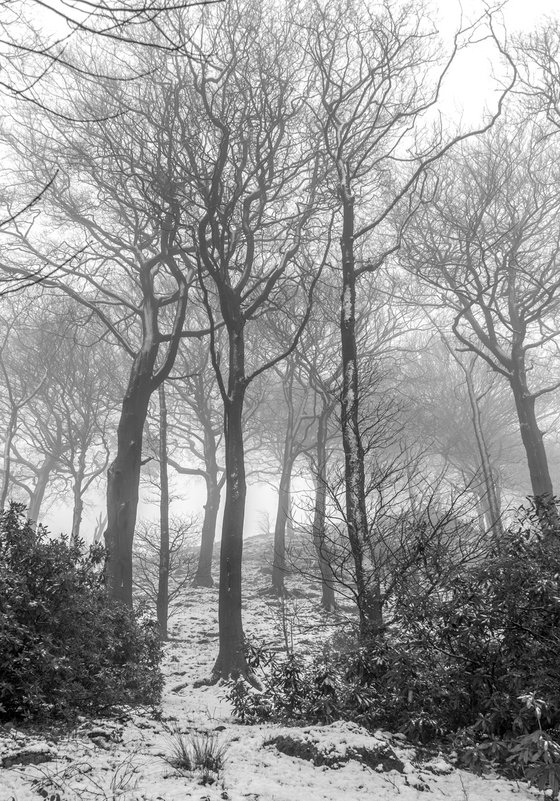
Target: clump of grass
197,752
59,784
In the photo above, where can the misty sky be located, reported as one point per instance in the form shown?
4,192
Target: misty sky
470,90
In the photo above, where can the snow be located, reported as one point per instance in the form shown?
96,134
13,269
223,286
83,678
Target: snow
125,760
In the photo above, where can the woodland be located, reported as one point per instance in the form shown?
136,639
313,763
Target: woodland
241,244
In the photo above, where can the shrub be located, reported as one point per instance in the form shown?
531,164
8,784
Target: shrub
65,648
474,661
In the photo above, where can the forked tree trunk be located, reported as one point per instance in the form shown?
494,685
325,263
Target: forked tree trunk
123,478
43,476
368,594
162,603
324,552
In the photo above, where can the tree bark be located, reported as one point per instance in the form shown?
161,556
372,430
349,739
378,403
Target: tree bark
231,661
78,509
490,499
537,462
123,478
43,475
367,586
162,603
282,514
203,576
328,600
7,470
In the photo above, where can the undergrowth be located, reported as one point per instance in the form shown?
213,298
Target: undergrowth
471,664
65,647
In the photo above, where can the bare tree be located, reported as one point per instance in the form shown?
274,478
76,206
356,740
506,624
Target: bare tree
488,243
87,401
375,81
294,437
181,566
538,56
441,389
134,272
252,183
21,386
197,427
60,429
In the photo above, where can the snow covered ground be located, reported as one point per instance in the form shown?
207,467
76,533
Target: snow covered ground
125,760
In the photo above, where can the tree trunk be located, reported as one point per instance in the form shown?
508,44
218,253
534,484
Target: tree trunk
490,500
123,479
282,514
43,475
324,557
368,594
537,462
162,603
203,576
231,660
7,469
284,498
78,509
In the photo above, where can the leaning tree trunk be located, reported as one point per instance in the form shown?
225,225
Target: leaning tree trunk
162,603
324,552
231,659
282,514
368,593
123,478
490,500
43,476
537,462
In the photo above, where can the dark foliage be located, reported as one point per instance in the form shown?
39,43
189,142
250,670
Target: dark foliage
474,662
65,648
